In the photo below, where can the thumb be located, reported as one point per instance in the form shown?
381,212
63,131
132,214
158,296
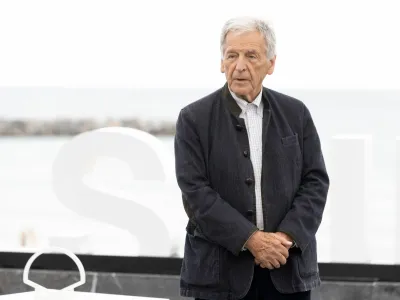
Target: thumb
283,240
289,243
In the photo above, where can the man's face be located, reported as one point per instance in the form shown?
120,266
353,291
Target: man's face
245,63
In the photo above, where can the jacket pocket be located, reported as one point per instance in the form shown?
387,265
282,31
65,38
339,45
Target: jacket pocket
290,140
291,148
200,266
308,262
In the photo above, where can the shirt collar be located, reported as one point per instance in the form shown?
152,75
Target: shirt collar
243,103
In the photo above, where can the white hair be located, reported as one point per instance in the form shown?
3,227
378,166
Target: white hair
248,24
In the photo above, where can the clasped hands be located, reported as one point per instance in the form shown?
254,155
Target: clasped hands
270,250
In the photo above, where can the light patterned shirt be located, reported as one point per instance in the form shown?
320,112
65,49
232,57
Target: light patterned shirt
252,113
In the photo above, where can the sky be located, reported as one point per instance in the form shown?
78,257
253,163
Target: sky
175,44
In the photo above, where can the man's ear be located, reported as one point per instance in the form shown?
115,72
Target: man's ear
222,66
271,66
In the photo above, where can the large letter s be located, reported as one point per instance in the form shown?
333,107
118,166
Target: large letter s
148,160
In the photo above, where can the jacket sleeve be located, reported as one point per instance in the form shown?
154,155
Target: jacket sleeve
218,221
303,219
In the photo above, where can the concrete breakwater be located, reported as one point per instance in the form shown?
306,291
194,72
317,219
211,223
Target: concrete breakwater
76,126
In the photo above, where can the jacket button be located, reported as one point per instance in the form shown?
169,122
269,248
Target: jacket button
248,181
246,153
239,127
249,213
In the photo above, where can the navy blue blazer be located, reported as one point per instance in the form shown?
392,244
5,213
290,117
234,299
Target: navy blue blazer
215,175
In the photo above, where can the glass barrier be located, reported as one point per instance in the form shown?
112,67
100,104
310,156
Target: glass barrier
112,191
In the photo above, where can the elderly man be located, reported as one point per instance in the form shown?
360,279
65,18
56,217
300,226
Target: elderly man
253,180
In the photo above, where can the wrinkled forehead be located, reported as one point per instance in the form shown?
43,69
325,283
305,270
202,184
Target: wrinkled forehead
247,41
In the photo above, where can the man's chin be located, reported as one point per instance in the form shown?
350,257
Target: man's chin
238,90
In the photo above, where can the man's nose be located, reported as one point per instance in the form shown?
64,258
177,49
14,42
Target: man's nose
241,65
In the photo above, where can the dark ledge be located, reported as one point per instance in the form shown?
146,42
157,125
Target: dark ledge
171,266
71,127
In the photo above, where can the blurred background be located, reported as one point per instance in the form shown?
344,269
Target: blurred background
68,67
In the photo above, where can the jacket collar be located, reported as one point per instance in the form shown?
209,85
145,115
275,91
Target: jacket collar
232,105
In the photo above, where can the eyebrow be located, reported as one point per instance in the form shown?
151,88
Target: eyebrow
252,51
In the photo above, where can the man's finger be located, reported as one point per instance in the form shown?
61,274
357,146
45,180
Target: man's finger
275,264
266,265
283,240
282,260
269,266
283,250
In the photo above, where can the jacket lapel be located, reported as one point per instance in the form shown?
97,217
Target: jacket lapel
230,103
235,110
266,119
